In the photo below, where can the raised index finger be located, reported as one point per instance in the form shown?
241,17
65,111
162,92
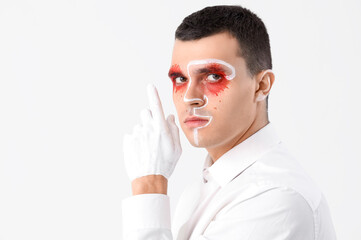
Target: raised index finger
156,106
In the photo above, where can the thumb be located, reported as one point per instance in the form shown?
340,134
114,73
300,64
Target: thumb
174,128
171,119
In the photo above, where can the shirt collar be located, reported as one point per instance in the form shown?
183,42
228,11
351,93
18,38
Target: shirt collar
240,157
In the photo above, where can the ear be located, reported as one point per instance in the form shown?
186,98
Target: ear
265,80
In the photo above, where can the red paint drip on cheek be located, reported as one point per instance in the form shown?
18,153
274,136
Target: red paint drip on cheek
217,87
180,88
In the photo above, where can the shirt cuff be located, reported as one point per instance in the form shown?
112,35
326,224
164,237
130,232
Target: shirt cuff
146,211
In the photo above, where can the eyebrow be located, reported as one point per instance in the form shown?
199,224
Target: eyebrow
175,71
212,67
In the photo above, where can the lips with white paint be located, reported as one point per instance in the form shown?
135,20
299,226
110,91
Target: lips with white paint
195,122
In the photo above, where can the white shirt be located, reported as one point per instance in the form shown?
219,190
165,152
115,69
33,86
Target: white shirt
255,191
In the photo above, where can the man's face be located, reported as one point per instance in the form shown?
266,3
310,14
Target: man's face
212,90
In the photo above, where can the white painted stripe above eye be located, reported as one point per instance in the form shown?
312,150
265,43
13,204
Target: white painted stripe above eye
214,60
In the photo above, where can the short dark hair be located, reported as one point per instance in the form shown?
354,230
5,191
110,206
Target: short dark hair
241,23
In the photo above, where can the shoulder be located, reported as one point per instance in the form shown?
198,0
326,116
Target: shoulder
272,202
279,169
275,212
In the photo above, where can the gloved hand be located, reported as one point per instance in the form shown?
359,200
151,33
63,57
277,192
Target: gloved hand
154,146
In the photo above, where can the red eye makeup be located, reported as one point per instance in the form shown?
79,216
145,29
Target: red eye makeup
214,76
176,75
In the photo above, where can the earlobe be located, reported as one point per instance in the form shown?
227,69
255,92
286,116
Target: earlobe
265,84
260,97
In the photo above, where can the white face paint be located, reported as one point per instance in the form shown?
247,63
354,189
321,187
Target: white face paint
231,75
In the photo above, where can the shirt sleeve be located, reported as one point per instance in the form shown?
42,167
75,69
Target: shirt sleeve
277,214
146,216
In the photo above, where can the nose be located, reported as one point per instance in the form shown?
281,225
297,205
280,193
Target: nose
194,95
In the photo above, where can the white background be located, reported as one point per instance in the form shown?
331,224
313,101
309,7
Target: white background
73,78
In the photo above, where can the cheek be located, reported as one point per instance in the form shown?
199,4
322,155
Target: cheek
178,101
232,108
178,98
217,104
227,101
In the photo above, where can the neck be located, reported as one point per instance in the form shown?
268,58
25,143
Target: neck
216,152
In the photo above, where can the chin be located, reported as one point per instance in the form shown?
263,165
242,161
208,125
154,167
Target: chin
202,142
195,145
204,138
191,140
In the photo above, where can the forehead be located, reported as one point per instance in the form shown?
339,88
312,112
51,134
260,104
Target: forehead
220,46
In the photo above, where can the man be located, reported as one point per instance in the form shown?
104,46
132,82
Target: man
252,187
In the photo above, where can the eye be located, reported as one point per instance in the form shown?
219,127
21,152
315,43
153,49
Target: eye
213,77
180,80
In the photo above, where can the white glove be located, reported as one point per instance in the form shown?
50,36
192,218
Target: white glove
154,146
